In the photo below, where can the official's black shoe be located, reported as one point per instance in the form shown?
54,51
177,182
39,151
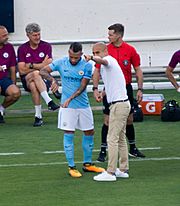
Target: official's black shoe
102,156
136,153
38,122
1,118
52,106
57,94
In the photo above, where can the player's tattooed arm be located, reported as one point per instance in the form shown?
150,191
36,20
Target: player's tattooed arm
45,73
82,87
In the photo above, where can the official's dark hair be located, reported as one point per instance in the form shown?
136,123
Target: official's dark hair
32,27
76,47
118,28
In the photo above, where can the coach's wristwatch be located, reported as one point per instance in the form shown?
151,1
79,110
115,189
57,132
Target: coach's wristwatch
94,88
140,89
31,66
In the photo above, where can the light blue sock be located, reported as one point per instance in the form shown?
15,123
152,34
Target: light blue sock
69,148
87,145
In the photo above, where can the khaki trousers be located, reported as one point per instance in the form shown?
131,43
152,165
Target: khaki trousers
116,138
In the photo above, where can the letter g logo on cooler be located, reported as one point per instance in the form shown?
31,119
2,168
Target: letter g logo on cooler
150,107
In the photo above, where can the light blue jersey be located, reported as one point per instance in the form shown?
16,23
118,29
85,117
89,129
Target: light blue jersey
71,77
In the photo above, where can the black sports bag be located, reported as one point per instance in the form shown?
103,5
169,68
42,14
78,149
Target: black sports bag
138,115
171,111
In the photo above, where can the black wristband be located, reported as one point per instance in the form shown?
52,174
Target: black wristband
140,89
94,88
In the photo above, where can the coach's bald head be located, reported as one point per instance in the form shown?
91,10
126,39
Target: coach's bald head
100,49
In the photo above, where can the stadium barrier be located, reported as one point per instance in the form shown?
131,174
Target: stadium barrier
154,78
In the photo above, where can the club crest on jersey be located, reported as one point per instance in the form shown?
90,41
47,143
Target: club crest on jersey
41,54
28,55
5,55
125,62
81,72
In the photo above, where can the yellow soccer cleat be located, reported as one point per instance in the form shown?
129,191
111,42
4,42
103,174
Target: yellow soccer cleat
74,172
89,167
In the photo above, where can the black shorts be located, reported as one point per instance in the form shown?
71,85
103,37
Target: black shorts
23,80
4,84
130,97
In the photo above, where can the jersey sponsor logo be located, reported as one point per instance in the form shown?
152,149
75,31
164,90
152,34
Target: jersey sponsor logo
28,55
81,72
72,79
5,55
41,54
125,62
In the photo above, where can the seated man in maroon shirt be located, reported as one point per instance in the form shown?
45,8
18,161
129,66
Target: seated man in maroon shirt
32,56
7,64
169,70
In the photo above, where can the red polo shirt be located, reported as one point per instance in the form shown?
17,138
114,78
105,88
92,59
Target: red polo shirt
126,56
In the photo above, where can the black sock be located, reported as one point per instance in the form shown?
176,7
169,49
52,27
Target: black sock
130,134
104,133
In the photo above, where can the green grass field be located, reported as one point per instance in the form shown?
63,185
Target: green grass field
35,177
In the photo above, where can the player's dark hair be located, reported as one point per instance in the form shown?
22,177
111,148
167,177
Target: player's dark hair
76,47
118,28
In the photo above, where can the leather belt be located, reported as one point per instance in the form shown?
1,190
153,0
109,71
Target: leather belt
125,100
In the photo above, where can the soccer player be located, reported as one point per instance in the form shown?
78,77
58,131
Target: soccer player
32,56
169,70
75,111
7,68
115,87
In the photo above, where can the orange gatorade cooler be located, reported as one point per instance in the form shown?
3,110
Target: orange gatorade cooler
152,104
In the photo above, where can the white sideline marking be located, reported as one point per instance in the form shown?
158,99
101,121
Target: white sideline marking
62,163
145,148
97,150
11,153
61,151
149,148
155,159
53,152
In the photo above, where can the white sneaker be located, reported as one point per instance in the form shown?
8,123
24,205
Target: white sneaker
104,176
118,173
